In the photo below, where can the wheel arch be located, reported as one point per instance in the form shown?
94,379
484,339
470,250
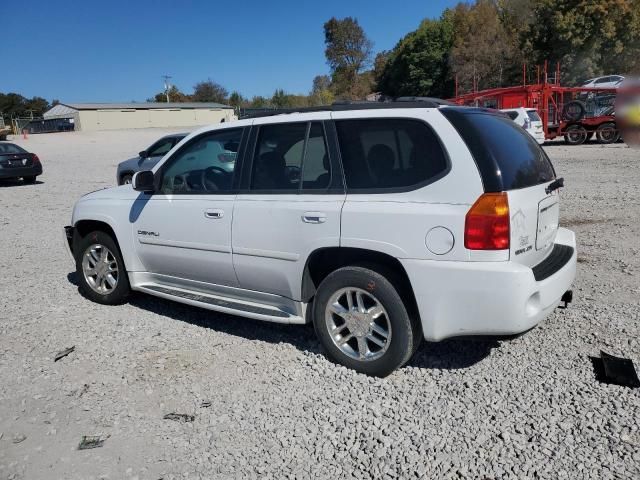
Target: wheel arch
322,261
83,227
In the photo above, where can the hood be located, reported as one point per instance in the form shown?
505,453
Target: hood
123,192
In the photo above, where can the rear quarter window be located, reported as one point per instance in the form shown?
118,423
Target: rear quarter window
507,157
382,155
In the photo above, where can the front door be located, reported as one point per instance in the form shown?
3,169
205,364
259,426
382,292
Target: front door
184,230
292,207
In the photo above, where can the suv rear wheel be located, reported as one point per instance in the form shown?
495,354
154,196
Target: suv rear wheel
101,273
362,321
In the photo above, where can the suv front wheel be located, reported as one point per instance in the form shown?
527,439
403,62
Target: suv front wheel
100,269
362,321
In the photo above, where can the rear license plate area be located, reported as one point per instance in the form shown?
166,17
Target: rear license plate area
548,215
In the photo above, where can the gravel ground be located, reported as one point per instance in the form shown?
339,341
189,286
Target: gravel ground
266,402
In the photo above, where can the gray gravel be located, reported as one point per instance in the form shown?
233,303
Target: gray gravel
266,402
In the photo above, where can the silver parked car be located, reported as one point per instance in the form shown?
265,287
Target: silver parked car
148,158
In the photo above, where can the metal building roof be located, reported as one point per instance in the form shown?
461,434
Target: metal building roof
145,106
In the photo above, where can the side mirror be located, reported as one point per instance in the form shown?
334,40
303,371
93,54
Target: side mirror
143,181
143,154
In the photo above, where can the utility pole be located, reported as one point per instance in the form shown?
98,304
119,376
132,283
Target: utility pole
166,85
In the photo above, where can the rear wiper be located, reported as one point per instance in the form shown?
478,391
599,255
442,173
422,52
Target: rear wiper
555,185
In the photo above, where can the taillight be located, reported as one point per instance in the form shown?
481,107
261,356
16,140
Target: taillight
34,158
486,226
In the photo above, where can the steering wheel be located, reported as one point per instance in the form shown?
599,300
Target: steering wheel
207,184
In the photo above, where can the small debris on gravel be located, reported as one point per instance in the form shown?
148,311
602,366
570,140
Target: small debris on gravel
179,417
615,370
205,404
19,438
64,353
89,442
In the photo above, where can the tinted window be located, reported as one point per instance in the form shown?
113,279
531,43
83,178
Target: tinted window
10,148
533,115
161,147
316,172
389,153
507,157
290,156
277,160
512,115
204,165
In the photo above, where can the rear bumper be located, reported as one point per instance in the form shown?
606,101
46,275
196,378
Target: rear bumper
486,298
32,171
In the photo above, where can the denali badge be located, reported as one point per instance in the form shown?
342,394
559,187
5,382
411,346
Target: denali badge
152,234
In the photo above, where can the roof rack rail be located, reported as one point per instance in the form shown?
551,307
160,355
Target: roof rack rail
346,105
439,101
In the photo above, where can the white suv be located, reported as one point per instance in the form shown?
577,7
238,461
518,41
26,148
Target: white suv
381,223
528,119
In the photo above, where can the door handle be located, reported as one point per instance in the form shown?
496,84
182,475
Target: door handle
213,213
314,217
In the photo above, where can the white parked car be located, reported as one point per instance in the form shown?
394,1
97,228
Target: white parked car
609,81
381,223
528,119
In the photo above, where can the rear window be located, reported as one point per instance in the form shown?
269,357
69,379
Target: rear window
533,115
508,158
10,148
386,154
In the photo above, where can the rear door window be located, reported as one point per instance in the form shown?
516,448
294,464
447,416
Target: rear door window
291,157
389,154
508,158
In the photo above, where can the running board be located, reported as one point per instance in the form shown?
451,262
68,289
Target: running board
221,304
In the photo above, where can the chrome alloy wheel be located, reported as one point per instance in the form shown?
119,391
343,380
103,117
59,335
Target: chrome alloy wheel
358,324
100,269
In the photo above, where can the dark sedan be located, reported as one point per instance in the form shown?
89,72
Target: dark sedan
16,162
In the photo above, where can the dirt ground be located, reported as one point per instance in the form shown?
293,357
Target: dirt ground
266,402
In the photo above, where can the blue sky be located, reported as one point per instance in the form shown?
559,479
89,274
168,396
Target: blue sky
83,51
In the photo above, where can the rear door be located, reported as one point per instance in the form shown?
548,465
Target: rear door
510,160
290,204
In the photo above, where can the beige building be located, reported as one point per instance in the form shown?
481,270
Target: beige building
113,116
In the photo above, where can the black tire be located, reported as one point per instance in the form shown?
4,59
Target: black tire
573,111
607,133
117,294
575,135
126,179
403,332
29,179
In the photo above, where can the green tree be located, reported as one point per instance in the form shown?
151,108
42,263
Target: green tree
259,101
484,53
348,52
236,99
321,93
15,105
419,63
175,95
588,38
209,91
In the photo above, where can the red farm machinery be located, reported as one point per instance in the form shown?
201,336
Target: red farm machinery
575,113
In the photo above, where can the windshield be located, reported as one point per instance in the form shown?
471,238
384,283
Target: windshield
9,148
